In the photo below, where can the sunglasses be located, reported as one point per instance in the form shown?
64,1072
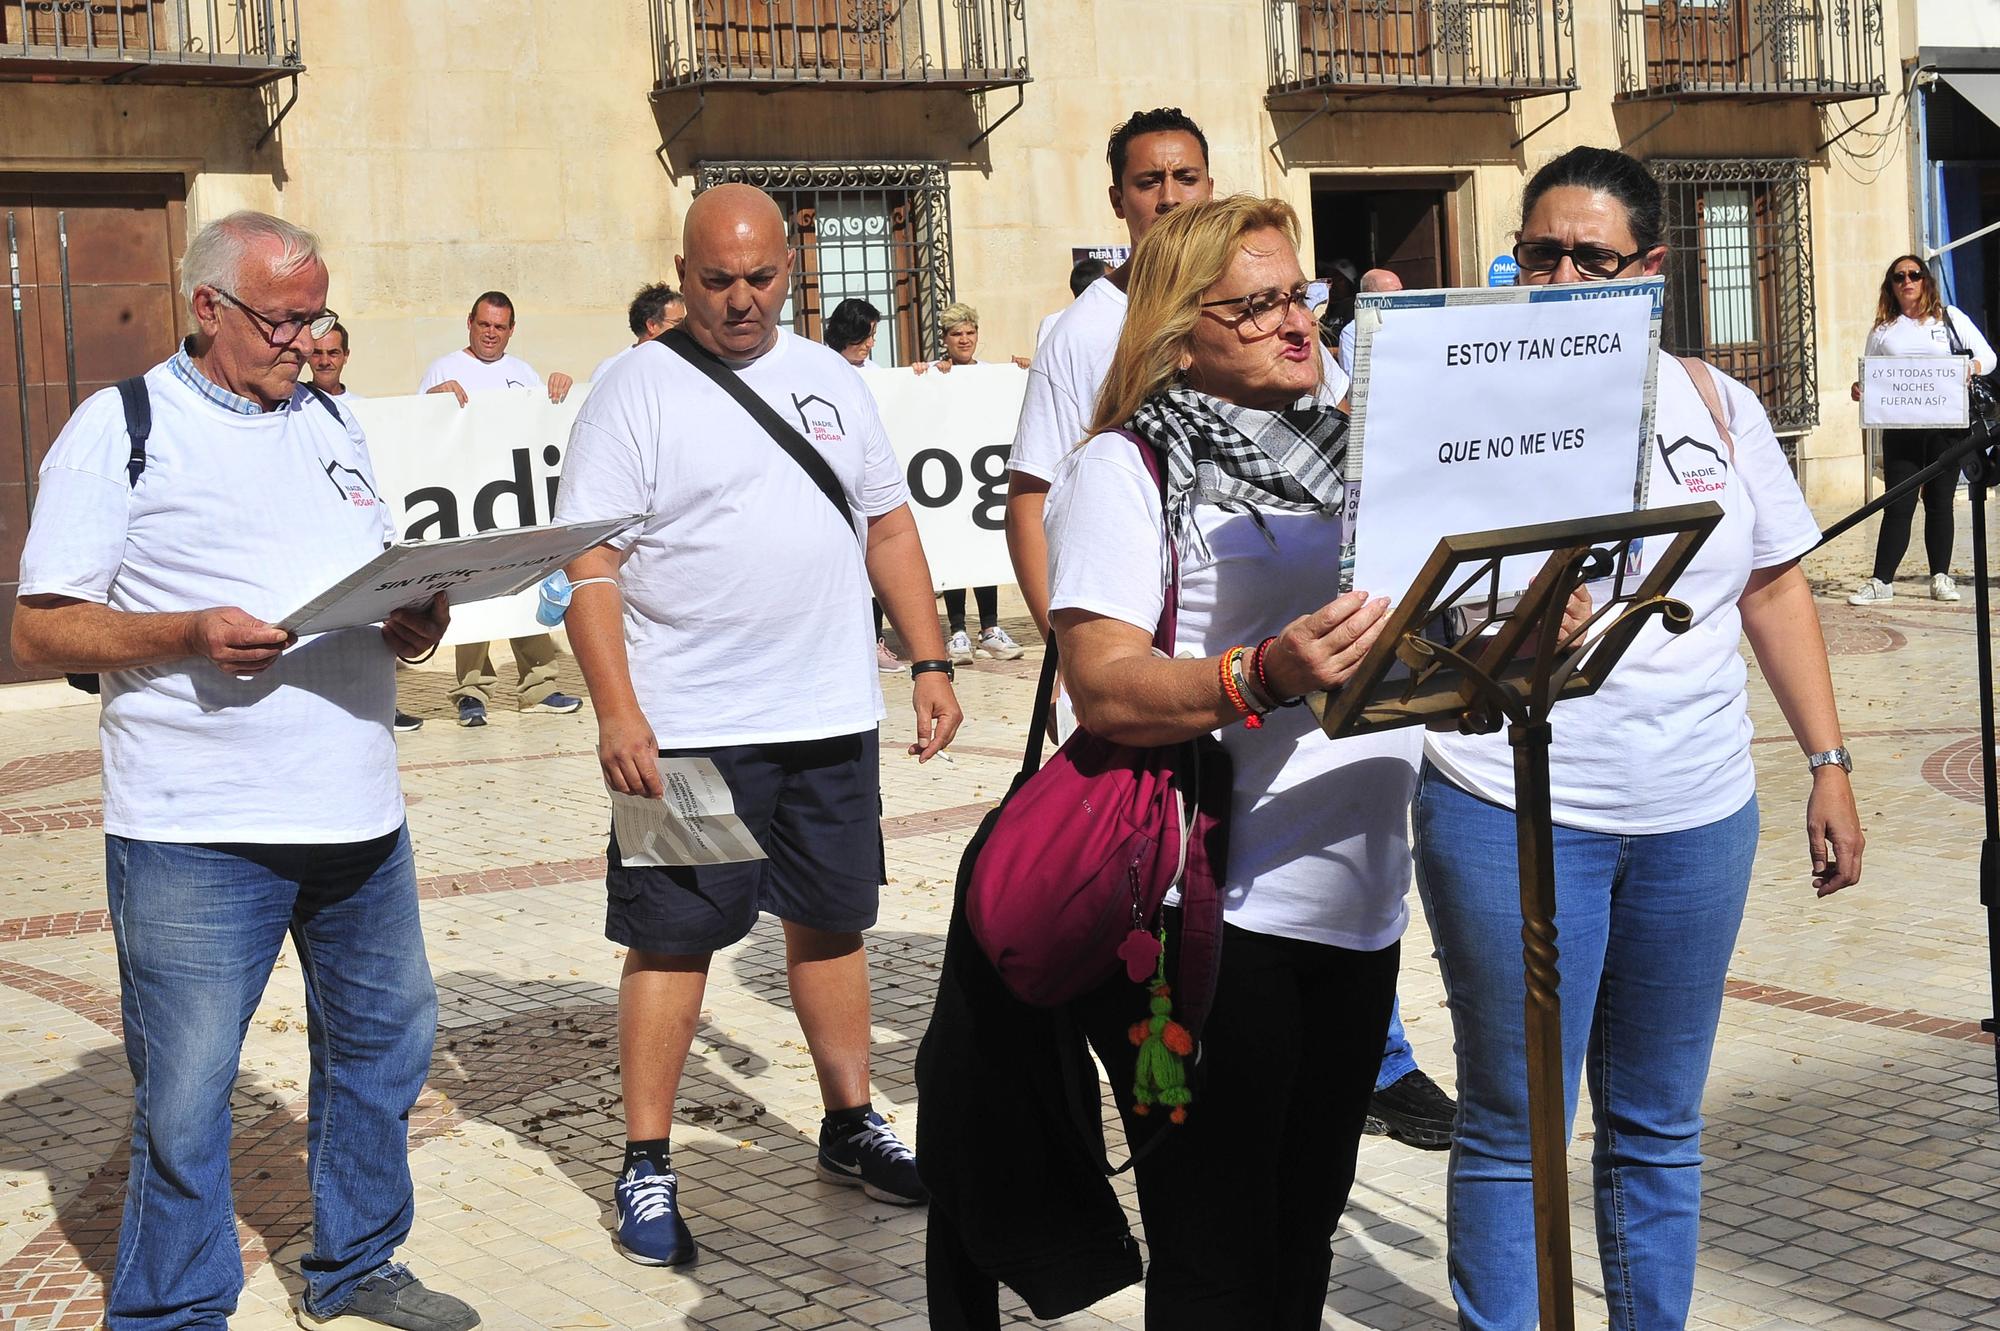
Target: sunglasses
1598,261
1906,275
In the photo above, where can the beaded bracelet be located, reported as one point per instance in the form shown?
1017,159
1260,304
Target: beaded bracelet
1231,667
1264,680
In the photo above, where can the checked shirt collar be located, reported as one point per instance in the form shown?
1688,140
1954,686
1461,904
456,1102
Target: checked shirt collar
184,370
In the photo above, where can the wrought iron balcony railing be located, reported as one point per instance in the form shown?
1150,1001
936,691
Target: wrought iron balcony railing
1489,48
949,44
241,42
1817,50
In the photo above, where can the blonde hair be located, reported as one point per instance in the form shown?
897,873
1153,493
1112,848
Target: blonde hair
956,313
1184,255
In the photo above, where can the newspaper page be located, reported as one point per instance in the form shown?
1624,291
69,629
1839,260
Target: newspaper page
695,821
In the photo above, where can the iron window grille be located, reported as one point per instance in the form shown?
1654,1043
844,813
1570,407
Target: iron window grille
1492,48
1739,278
1819,50
228,42
876,231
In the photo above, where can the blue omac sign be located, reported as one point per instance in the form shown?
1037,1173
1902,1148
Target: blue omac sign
1503,272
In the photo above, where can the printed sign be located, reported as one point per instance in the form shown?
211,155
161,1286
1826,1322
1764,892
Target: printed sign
1112,255
1503,272
1914,393
1494,407
494,464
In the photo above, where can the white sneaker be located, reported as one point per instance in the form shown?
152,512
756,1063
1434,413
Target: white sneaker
1943,588
995,643
1872,592
885,660
959,648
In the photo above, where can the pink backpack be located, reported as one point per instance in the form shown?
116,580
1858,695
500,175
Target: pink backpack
1085,849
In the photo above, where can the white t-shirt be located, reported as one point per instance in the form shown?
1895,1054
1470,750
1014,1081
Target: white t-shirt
262,512
1665,744
477,376
597,375
1043,329
1318,838
746,598
1927,337
1073,354
1348,338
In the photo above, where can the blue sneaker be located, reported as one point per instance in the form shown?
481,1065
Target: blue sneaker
562,704
650,1229
873,1160
471,712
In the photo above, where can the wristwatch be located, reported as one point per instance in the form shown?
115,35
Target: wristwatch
927,667
1815,761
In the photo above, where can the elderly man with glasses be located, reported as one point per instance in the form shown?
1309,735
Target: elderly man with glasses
250,787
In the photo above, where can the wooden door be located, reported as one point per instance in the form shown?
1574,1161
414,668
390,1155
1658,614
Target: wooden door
124,238
100,24
803,38
1365,41
1698,43
1409,236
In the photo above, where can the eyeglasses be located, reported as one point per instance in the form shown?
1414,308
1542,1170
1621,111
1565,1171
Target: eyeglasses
1597,261
283,332
1906,275
1265,310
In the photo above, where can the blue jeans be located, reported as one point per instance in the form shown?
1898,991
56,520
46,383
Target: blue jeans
198,930
1646,925
1398,1059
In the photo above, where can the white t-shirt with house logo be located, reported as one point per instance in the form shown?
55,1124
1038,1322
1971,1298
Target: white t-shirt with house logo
478,376
746,595
258,511
1664,745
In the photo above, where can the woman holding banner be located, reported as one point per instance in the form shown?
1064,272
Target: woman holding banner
1912,320
961,347
1219,361
1656,816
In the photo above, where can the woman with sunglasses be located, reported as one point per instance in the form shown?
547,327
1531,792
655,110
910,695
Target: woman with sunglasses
1655,806
1911,320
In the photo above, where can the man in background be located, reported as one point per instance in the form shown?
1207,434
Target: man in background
653,311
1375,279
1081,275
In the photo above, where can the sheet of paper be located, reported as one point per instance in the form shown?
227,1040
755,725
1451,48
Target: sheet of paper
695,822
467,569
1494,407
1914,393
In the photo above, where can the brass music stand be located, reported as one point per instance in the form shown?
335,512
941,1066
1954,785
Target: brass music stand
1496,663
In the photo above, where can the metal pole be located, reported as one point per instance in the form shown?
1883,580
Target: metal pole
1989,849
1535,840
69,320
20,355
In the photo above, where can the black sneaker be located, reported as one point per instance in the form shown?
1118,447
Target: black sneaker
1414,1110
471,712
406,723
872,1159
393,1297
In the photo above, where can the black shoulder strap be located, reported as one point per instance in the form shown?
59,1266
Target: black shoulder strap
325,400
782,434
138,424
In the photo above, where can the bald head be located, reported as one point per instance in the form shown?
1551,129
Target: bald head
735,270
1380,279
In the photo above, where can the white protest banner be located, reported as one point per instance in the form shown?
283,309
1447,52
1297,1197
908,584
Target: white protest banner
952,432
1914,393
1494,407
491,464
494,463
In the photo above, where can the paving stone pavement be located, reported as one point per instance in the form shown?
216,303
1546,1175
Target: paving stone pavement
1852,1181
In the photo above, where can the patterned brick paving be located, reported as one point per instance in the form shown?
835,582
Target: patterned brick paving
47,769
1956,770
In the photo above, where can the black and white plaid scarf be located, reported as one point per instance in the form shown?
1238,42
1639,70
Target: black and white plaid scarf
1243,459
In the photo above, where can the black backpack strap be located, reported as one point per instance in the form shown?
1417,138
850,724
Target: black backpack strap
782,434
138,424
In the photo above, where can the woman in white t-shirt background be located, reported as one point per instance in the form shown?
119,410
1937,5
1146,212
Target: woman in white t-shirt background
1218,358
1911,319
961,347
1656,823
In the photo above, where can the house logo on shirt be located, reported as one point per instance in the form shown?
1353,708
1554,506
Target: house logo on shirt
352,485
819,419
1695,466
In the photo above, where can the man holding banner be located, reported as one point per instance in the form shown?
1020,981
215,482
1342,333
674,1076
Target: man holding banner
729,634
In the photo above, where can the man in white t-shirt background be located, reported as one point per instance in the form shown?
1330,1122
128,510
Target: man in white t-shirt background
1081,274
484,365
1159,161
250,786
731,630
656,308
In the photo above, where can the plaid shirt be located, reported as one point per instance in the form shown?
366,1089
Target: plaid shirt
183,367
